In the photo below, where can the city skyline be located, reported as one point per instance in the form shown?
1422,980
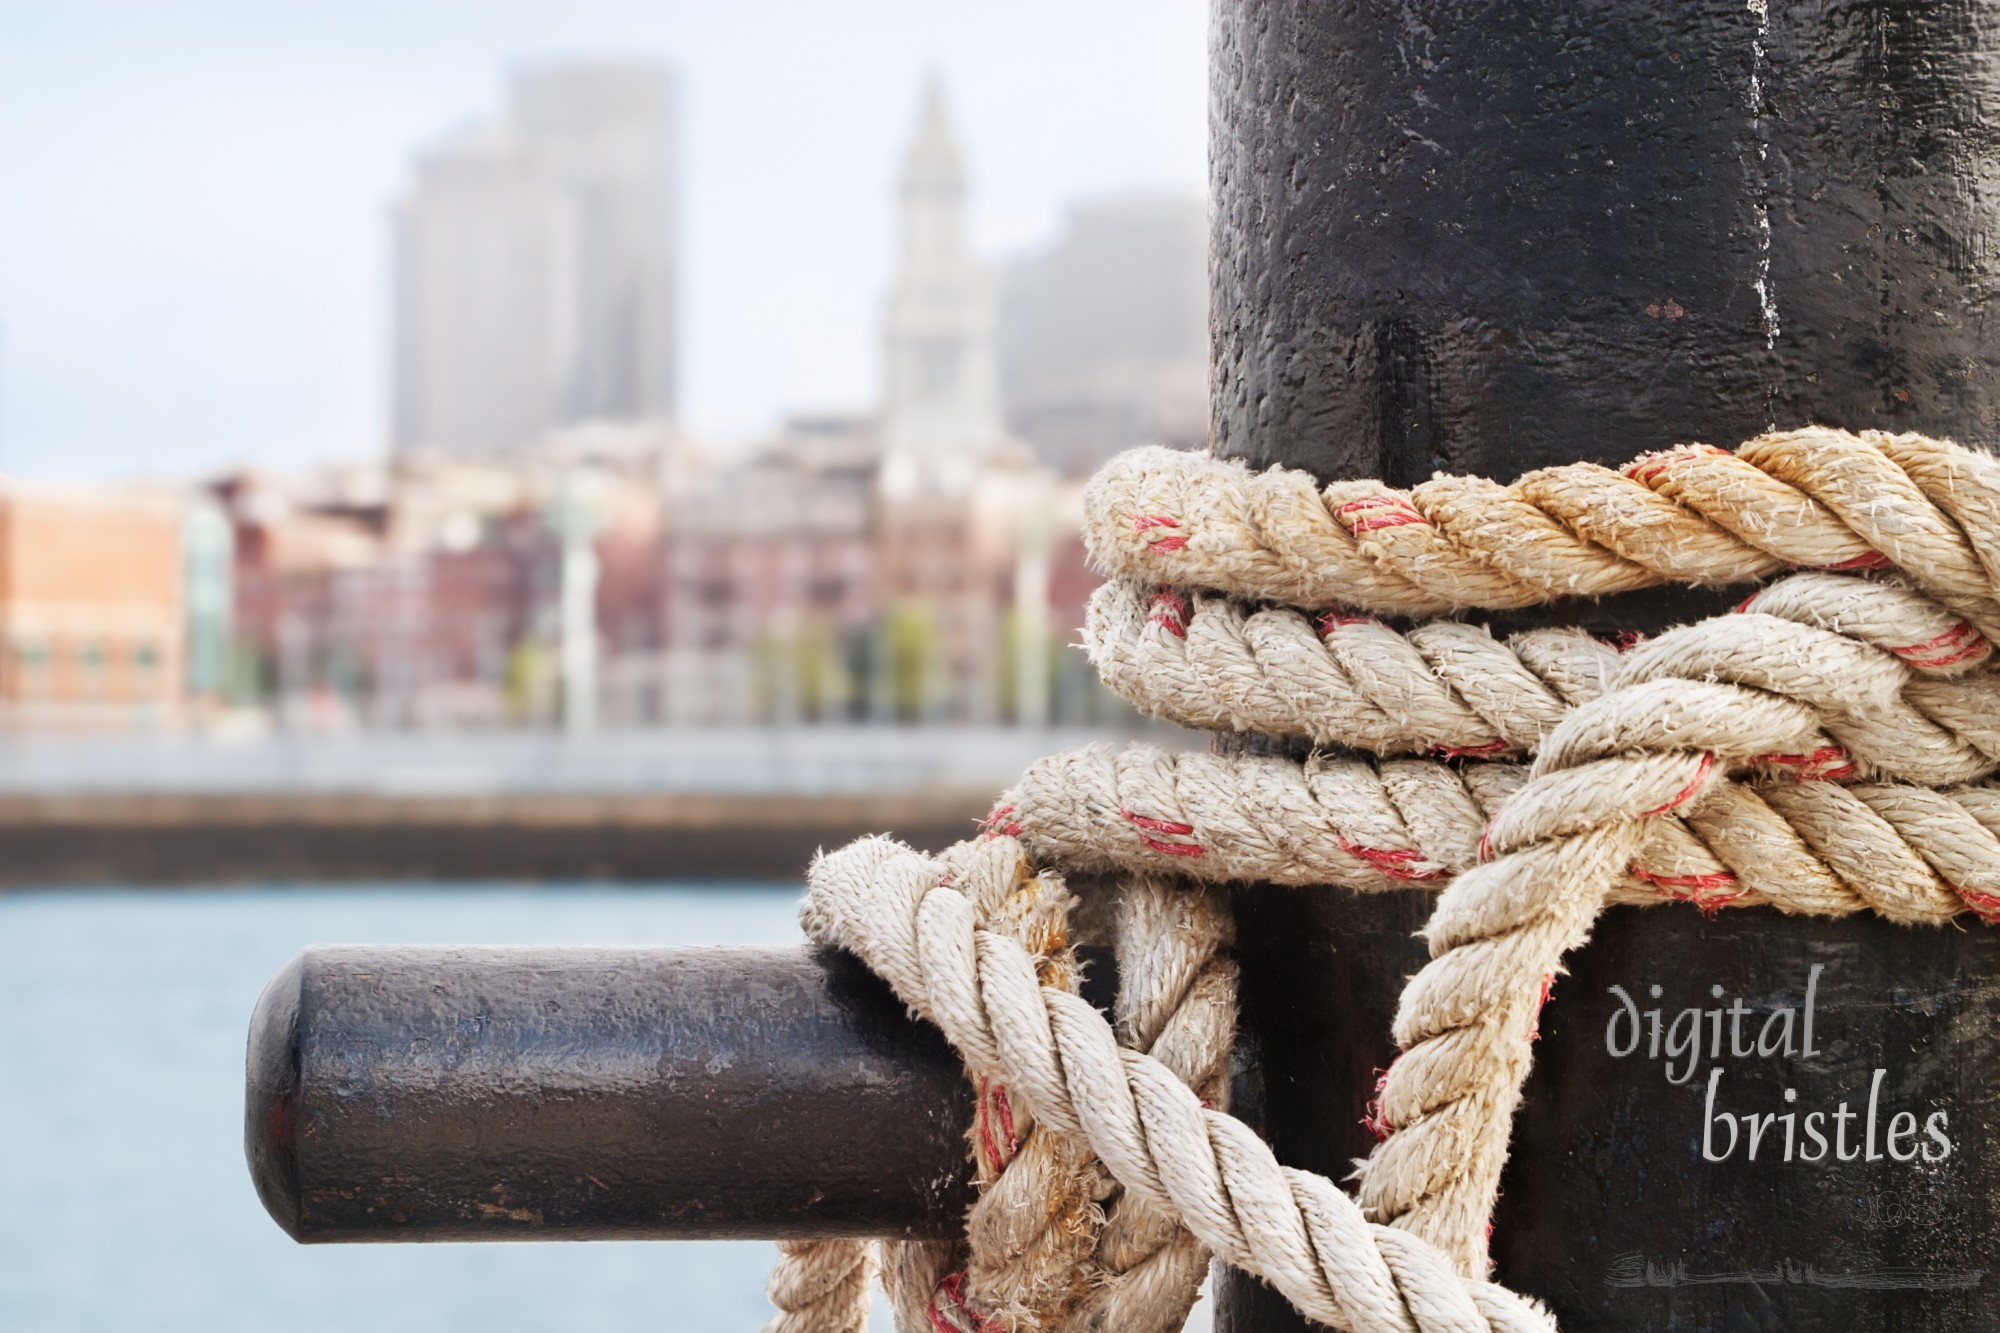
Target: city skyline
541,547
259,290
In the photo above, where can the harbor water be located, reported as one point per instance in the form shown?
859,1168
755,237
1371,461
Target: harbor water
125,1206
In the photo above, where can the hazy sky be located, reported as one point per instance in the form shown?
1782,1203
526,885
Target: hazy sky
194,195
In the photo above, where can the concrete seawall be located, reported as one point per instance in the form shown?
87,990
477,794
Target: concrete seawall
319,837
741,803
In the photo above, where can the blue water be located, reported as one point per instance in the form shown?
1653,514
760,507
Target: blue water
125,1206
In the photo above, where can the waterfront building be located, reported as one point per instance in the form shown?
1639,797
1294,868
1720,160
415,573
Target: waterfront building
1103,336
419,597
208,581
940,371
91,606
535,273
543,546
767,599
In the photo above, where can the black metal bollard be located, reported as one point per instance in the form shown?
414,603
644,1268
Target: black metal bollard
1447,235
1486,238
592,1094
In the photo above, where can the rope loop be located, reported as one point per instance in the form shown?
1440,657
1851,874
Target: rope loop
1828,747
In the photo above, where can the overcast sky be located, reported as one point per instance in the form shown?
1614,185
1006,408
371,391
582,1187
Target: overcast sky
193,195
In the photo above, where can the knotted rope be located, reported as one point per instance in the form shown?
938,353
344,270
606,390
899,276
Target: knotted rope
1822,750
1037,1218
891,907
1039,1251
1036,1221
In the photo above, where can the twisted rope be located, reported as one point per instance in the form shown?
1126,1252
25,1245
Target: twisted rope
1034,1224
890,905
1447,689
1176,1002
1657,744
1815,847
1820,751
1036,1220
1037,1252
821,1286
1442,688
1812,499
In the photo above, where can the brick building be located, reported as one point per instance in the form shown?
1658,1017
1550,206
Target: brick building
90,606
348,618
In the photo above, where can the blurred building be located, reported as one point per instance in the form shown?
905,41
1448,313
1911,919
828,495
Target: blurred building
420,597
918,565
208,597
943,583
940,370
535,267
1103,337
542,547
605,135
766,600
91,608
788,587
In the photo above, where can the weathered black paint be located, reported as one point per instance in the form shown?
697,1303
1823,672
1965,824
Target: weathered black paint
1447,235
1608,1210
577,1094
1485,238
1611,1210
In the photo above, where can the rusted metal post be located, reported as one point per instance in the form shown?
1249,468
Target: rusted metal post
1485,238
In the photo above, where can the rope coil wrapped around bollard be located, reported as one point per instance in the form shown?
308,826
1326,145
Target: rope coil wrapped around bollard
1824,750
